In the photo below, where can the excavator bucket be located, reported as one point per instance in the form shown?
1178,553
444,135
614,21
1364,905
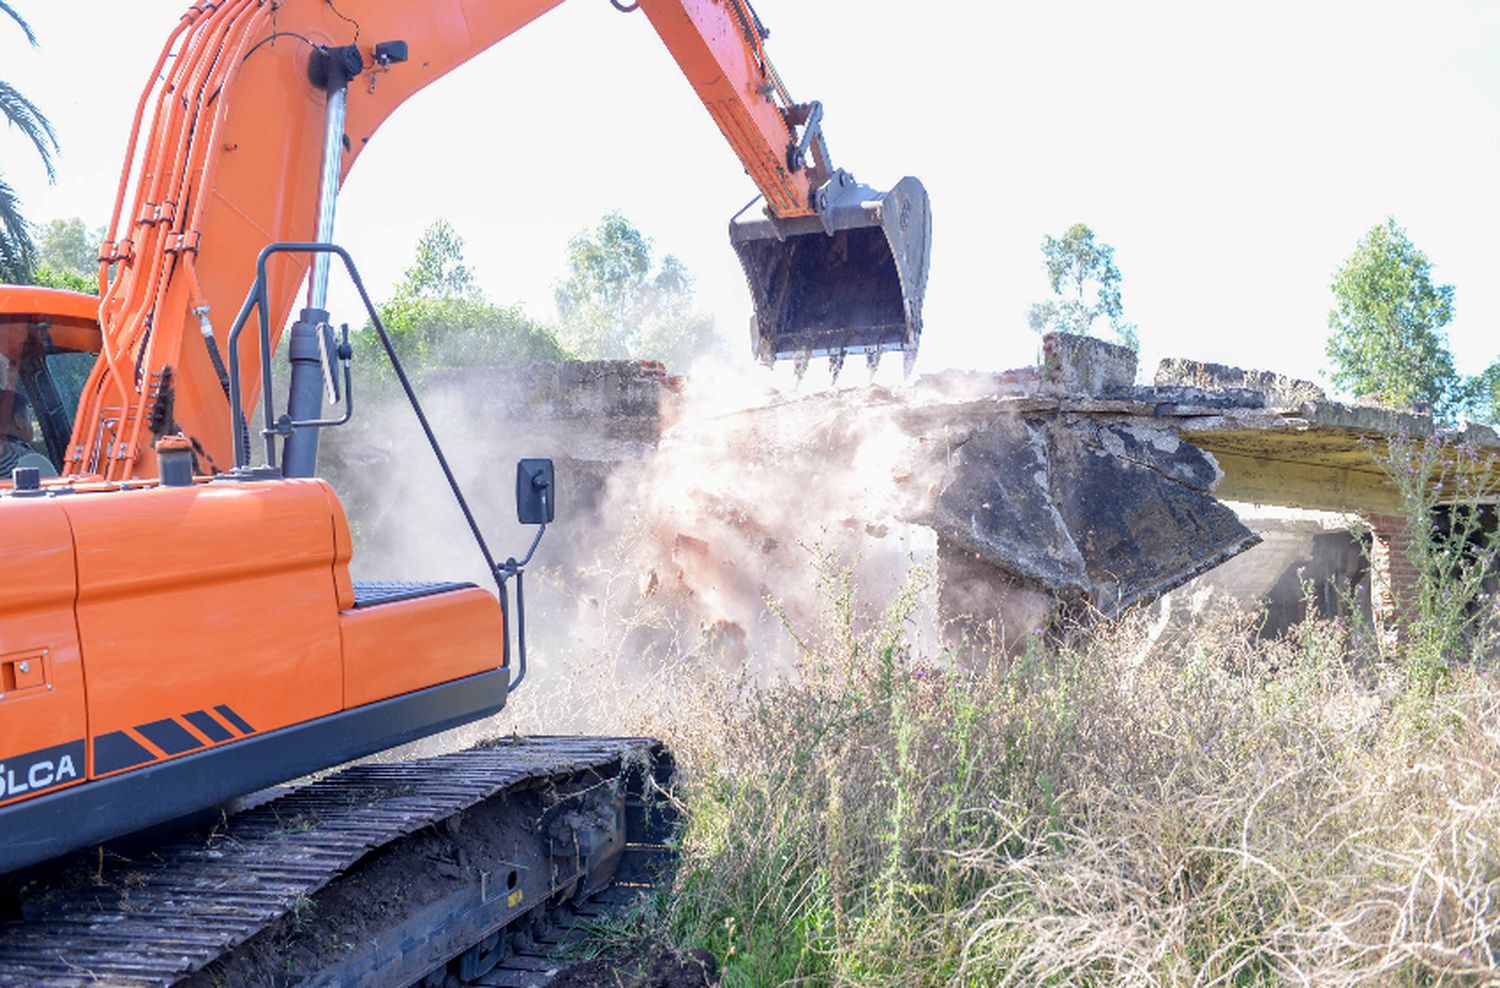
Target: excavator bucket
849,280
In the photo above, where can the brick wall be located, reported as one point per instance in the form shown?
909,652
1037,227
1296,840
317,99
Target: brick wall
1393,574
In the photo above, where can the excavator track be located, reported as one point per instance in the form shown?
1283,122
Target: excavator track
467,868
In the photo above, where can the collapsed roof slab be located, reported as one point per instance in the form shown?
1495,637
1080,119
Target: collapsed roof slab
1294,447
1067,483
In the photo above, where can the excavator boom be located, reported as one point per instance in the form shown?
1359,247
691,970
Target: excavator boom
236,144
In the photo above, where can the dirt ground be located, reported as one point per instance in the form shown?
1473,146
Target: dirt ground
655,967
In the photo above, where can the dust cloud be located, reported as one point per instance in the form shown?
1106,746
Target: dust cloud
701,549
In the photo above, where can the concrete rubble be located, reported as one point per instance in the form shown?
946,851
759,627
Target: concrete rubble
1062,489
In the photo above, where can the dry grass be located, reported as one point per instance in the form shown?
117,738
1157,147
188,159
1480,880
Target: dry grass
1208,810
1200,808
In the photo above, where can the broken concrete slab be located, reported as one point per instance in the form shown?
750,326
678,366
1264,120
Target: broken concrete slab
1060,487
1277,390
998,503
1160,449
1167,399
1099,513
1083,365
1141,530
1298,448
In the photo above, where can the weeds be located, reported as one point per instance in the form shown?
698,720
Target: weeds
1204,809
1449,613
1121,807
303,909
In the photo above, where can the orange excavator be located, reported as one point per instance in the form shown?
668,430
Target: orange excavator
180,634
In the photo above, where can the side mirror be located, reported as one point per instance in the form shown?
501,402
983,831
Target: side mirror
536,492
536,503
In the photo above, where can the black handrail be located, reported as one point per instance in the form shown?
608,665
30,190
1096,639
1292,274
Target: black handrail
257,299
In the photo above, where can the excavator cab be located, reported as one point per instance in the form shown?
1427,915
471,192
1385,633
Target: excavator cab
49,340
849,279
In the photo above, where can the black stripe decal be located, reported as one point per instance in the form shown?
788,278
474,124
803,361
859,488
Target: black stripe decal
63,820
168,735
235,720
207,726
117,750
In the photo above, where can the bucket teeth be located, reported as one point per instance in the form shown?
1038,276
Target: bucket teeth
873,360
908,361
800,362
835,364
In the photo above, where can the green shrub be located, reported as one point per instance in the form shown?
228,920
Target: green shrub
1450,616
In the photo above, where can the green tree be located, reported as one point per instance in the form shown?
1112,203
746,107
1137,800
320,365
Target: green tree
1086,281
617,303
438,270
1387,325
70,246
17,251
1482,395
439,317
67,256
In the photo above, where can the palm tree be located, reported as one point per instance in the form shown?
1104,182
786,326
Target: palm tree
17,252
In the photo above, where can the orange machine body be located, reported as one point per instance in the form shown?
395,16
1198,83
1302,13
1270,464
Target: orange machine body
130,590
72,314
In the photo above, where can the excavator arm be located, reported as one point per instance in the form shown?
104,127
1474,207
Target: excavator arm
256,112
720,48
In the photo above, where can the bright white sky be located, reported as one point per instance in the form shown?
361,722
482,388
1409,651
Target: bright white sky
1232,153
